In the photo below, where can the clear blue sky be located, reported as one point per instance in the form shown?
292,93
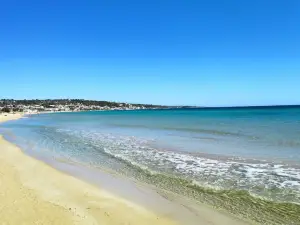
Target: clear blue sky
208,53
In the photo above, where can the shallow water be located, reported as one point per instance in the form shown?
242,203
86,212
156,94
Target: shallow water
237,159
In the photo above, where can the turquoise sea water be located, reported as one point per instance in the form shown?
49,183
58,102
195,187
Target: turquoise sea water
208,154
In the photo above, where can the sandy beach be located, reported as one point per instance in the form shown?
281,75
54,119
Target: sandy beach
9,116
32,192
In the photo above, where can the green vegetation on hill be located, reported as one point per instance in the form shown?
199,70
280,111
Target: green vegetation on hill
8,105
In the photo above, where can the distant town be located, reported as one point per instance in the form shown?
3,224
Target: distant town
68,105
75,105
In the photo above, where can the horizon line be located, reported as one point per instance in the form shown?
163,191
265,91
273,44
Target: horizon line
182,106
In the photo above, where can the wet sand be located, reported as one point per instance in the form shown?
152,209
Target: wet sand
33,192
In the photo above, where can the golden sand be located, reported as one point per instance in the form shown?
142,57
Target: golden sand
31,192
9,116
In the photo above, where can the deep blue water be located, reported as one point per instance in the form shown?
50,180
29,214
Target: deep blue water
249,149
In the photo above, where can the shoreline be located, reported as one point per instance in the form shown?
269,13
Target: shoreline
4,117
64,195
45,195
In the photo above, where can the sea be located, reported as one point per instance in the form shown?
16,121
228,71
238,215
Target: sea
243,160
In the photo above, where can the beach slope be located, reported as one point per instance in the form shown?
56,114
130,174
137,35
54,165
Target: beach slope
31,192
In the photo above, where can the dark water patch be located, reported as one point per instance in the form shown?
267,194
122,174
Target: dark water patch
188,130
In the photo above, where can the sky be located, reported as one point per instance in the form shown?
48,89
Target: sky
187,52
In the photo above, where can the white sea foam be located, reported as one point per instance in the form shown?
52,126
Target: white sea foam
258,177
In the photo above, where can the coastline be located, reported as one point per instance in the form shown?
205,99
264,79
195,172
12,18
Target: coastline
9,116
45,195
42,194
